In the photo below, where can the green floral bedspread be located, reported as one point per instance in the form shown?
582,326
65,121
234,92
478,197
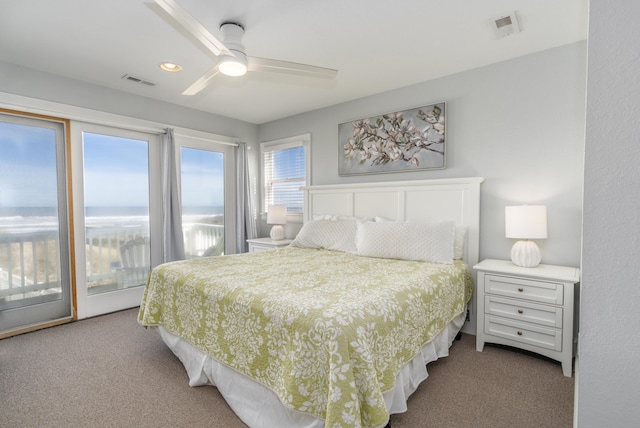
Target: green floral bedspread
327,331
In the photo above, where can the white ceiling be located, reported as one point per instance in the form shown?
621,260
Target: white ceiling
376,45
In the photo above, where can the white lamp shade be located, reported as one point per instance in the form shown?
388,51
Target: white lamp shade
277,214
526,222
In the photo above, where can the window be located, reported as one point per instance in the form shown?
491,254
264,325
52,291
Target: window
206,176
286,167
202,189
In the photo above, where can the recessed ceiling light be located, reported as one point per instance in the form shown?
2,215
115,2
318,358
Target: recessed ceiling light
170,66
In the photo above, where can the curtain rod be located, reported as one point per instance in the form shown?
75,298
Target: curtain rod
205,136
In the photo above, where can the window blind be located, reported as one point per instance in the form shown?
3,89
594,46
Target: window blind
285,172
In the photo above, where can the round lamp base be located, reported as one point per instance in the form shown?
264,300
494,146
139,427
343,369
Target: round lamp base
526,254
277,233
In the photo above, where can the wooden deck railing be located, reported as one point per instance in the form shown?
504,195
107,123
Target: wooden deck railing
29,265
29,262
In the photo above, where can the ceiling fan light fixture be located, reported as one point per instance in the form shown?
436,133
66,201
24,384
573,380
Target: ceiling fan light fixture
233,66
232,60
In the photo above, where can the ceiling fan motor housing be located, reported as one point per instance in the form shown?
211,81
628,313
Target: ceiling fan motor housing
233,37
236,65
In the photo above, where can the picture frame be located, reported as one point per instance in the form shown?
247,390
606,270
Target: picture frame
402,141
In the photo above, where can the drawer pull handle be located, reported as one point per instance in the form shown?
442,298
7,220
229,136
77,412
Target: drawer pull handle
521,289
520,311
519,333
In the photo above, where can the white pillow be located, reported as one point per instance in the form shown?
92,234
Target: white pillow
458,243
459,240
334,235
408,241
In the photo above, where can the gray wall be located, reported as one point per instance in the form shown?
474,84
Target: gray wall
607,387
519,124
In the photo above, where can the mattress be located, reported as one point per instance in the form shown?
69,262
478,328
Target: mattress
328,333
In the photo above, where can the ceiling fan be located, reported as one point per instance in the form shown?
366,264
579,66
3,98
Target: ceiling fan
232,58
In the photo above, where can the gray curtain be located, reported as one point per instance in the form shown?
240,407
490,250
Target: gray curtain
245,221
173,244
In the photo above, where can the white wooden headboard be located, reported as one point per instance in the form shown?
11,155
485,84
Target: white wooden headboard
423,201
456,199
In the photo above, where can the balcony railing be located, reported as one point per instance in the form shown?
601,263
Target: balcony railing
29,267
29,262
202,239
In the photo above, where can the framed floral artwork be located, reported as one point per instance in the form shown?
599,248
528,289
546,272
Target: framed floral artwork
403,141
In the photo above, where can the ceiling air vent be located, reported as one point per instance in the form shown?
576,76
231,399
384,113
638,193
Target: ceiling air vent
505,24
140,80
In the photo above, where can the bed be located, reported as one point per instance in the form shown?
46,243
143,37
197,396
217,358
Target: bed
336,329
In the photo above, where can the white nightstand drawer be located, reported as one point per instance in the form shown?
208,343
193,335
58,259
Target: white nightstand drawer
550,316
524,332
538,291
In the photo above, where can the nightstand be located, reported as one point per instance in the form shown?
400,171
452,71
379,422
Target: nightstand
264,244
527,308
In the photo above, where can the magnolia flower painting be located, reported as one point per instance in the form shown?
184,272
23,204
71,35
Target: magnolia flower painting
403,141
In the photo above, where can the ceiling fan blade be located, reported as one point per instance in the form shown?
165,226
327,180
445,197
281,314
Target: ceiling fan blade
190,24
202,82
273,65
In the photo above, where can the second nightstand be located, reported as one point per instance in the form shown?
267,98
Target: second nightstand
264,244
527,308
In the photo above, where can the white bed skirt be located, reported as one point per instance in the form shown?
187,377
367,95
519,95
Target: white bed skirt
259,407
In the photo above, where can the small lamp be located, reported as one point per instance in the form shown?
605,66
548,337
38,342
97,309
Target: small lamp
526,222
277,215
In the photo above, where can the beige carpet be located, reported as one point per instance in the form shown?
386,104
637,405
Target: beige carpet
110,372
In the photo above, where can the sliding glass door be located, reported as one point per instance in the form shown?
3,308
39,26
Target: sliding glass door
35,280
120,182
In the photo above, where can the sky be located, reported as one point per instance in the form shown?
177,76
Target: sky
27,166
202,174
116,170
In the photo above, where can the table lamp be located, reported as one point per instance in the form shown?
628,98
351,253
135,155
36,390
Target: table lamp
277,215
525,222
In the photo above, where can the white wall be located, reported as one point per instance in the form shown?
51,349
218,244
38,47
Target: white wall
609,346
519,124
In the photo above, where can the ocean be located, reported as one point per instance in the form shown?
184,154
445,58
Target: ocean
38,219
